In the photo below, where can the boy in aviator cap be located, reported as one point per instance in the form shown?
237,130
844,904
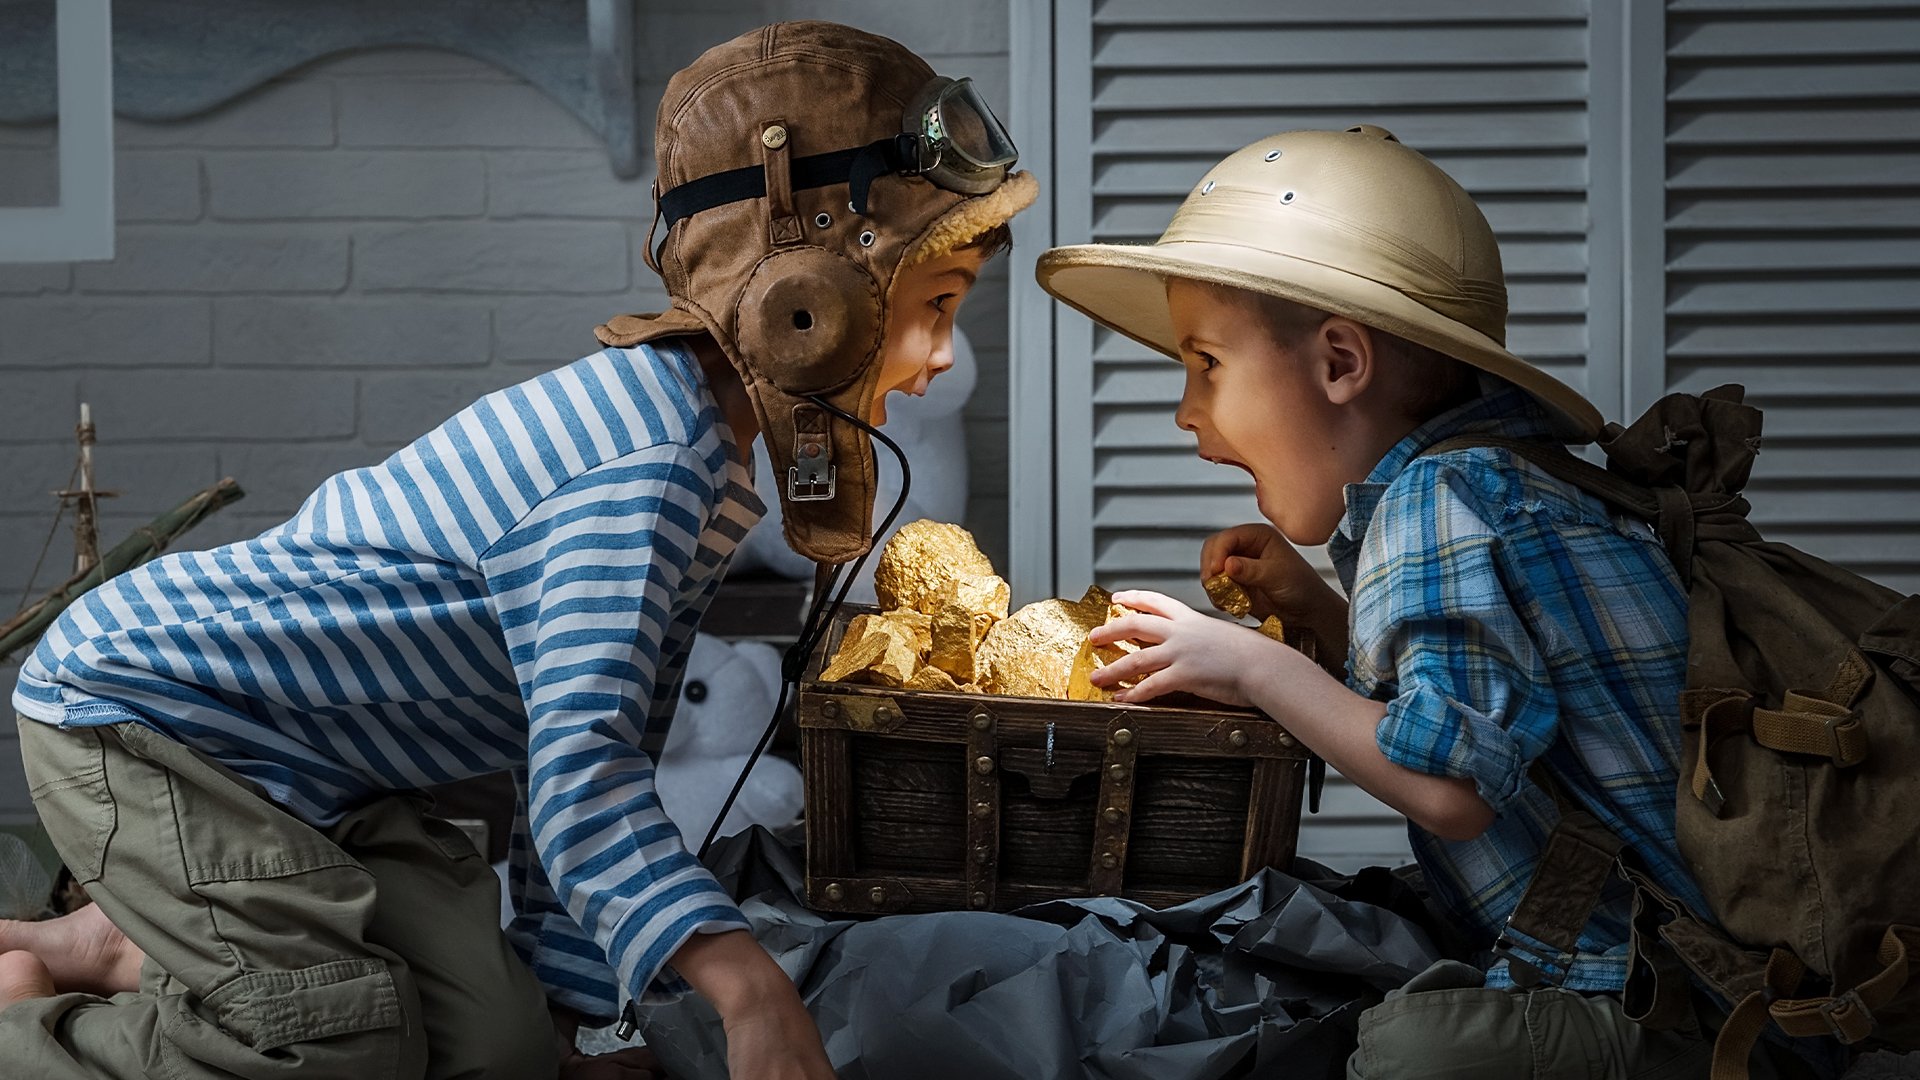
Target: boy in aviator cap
224,745
1339,306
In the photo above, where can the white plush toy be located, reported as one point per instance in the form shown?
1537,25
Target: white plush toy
726,701
933,433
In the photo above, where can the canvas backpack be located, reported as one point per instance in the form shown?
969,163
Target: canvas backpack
1798,803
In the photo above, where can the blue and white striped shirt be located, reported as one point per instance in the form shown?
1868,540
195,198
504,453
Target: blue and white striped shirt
517,590
1506,617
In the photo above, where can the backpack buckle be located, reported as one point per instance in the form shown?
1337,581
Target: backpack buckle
1847,1017
1843,739
1530,961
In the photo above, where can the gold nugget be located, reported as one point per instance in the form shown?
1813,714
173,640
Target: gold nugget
1031,652
932,678
915,626
965,609
921,557
856,654
1227,595
1093,657
1080,680
871,639
896,666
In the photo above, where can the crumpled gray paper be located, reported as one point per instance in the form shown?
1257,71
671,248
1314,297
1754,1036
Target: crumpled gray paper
1266,979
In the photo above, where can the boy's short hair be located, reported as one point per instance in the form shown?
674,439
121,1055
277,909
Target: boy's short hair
1426,382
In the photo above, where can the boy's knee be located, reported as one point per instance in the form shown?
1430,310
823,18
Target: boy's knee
1453,1034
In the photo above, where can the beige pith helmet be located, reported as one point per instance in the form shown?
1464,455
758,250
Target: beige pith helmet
1350,222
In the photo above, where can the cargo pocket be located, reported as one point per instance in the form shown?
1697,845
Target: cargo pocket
272,1009
67,776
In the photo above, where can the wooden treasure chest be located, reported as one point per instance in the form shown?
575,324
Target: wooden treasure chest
922,800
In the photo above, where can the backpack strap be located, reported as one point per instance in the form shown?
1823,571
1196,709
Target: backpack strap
1669,510
1540,938
1846,1016
1609,487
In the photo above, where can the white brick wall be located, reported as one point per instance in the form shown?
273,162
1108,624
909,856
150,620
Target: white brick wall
312,275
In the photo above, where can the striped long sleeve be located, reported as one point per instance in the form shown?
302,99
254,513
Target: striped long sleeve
514,591
588,588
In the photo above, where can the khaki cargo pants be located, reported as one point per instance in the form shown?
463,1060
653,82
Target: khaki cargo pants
371,951
1446,1025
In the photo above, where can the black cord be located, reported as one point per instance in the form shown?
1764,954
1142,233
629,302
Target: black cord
819,618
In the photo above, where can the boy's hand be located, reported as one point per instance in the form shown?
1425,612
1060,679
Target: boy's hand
1187,651
1278,581
770,1034
778,1044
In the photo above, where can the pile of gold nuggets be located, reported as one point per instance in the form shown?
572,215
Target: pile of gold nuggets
944,626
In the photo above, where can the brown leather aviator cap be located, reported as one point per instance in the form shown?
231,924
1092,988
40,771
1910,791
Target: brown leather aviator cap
801,167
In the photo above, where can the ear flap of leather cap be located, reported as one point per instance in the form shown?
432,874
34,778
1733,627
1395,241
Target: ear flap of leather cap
626,331
809,319
830,530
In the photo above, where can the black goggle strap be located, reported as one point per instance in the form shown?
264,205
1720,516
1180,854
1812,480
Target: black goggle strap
858,167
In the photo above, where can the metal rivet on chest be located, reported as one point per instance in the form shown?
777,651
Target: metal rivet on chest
774,137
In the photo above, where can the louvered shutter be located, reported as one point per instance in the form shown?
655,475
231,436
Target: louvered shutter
1150,94
1792,241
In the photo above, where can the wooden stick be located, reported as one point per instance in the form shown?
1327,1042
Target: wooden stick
25,628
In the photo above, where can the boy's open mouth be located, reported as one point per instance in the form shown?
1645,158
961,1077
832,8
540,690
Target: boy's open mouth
1227,461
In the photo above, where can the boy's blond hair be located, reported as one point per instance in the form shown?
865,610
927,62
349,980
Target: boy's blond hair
1423,382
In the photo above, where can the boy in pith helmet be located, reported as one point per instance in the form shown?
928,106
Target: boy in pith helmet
224,745
1339,306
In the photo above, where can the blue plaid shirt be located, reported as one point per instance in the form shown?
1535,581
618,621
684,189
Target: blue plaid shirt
1506,617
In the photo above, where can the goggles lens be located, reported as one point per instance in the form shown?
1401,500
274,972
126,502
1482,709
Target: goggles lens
956,140
958,122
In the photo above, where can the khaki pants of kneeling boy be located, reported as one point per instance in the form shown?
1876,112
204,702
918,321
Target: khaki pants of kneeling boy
1445,1025
371,951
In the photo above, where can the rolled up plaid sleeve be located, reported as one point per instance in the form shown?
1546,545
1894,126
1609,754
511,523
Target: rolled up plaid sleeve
1439,639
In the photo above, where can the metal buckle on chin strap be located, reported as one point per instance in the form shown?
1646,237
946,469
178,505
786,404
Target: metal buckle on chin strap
811,486
813,477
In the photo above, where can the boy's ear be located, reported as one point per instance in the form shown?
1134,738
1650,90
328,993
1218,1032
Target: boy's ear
1345,360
